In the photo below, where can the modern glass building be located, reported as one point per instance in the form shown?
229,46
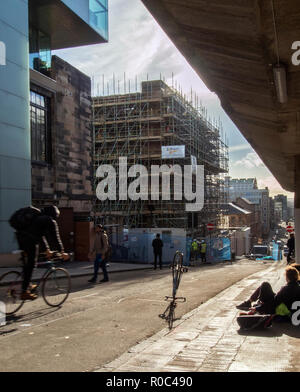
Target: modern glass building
29,30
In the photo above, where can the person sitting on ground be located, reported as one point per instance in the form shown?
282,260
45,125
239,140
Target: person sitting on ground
297,266
268,301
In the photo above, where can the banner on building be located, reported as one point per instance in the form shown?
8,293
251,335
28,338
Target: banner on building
171,152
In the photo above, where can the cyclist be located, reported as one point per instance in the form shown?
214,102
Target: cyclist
44,229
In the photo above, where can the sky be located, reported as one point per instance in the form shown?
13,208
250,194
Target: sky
139,49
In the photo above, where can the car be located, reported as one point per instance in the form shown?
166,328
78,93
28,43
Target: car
260,251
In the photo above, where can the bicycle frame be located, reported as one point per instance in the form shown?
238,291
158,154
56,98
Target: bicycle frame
50,268
177,270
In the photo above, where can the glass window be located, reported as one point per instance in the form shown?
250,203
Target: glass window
39,51
39,122
99,16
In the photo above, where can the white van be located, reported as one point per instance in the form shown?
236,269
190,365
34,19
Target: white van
259,251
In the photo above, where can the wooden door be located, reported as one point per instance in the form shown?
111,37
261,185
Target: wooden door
67,228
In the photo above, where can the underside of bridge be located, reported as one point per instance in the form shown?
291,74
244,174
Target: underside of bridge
234,46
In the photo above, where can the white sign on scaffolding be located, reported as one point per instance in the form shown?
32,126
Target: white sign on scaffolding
170,152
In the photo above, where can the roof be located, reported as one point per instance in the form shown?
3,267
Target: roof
234,209
246,200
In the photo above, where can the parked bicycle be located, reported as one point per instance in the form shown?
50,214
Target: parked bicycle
55,285
177,270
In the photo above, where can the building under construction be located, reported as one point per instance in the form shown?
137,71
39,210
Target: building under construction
138,126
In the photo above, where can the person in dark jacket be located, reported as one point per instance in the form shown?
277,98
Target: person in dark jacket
291,245
44,229
157,245
268,300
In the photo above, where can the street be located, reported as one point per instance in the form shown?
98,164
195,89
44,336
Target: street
100,322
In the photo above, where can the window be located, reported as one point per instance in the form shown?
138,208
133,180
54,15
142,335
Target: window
39,51
99,16
39,123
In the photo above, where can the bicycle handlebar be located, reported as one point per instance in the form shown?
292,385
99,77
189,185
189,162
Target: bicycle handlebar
56,256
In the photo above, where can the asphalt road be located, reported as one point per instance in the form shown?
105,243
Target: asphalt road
100,322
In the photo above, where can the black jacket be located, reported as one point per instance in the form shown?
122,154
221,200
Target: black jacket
288,294
157,245
43,229
291,243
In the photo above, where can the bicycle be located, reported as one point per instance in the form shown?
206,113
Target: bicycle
177,270
55,285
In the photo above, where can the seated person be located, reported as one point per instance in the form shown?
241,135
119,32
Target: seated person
297,266
268,300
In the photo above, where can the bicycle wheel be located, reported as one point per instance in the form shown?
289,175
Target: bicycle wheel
177,271
10,291
171,315
56,287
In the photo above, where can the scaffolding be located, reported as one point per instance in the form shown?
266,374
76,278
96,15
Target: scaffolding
137,125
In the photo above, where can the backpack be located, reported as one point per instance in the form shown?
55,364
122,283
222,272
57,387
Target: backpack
23,218
248,322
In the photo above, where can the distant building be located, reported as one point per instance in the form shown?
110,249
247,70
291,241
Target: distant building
238,217
255,219
290,205
284,208
273,221
247,188
238,187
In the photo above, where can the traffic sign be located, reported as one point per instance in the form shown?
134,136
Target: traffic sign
289,229
210,226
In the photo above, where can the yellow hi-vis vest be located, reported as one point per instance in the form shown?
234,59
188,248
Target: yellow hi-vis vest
203,248
194,245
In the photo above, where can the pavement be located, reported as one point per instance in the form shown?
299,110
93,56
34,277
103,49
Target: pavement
208,338
82,268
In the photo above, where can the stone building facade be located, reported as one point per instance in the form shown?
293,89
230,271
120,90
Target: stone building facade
65,176
61,147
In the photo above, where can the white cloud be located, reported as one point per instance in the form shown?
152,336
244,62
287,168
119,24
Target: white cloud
239,147
273,185
250,161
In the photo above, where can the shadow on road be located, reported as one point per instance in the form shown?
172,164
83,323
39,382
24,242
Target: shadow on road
30,316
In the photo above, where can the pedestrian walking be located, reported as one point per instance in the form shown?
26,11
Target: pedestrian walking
203,251
100,251
157,245
291,245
